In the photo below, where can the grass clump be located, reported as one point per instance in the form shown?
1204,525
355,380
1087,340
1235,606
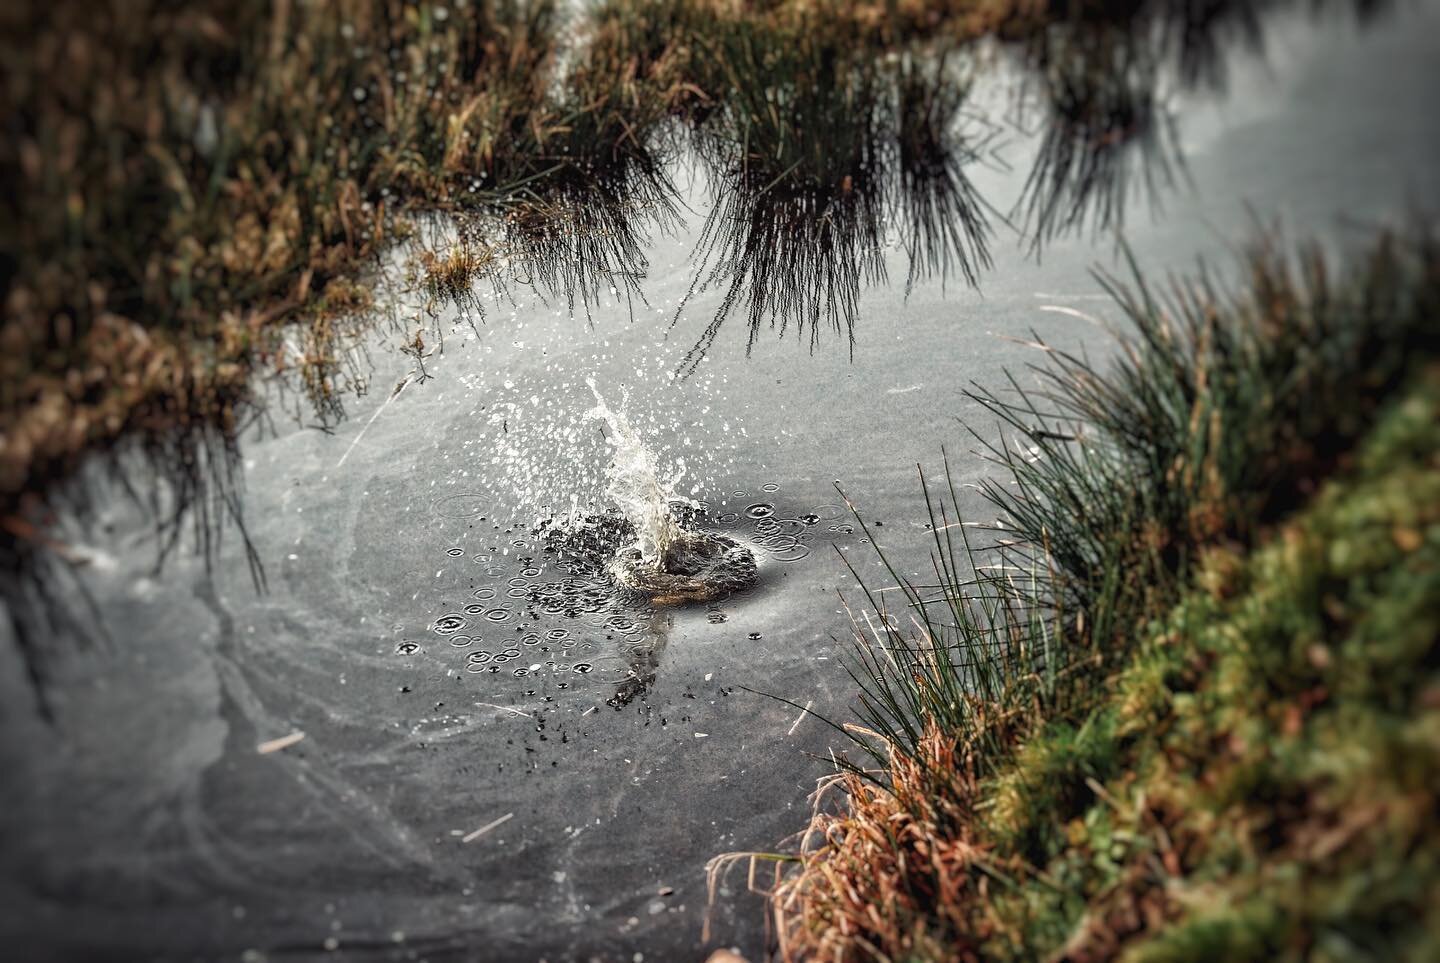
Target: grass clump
1192,712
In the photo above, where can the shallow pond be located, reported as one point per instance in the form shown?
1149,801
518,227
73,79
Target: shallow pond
503,759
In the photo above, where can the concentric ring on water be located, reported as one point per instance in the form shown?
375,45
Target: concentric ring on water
461,505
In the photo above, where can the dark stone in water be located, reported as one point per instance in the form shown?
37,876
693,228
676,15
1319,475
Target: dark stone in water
700,567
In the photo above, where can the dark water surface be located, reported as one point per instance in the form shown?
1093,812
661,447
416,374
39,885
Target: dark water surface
452,678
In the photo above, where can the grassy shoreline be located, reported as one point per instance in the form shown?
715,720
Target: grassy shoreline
1200,717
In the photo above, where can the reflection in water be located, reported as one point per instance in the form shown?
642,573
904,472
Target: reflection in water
1104,125
821,151
582,240
643,660
816,159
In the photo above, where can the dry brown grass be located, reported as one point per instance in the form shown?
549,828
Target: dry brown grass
898,872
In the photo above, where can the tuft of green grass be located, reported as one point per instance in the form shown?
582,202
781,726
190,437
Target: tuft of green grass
1192,713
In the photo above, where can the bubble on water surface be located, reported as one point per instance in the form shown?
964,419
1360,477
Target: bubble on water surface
760,510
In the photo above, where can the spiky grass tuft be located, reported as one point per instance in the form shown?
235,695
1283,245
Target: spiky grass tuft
1146,692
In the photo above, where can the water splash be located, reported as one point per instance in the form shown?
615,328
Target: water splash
636,486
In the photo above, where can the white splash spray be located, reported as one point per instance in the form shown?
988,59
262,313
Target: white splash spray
634,482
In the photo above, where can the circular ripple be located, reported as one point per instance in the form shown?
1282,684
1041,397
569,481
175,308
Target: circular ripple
499,615
766,527
770,487
777,542
449,624
460,641
792,554
463,505
407,647
789,526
